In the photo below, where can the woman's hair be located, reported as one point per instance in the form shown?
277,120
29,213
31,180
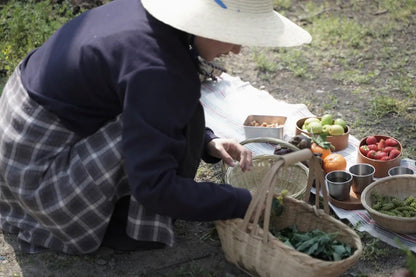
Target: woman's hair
207,70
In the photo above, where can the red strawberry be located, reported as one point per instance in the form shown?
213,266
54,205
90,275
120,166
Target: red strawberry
373,147
380,155
364,149
385,158
381,144
388,149
371,140
394,153
371,154
391,142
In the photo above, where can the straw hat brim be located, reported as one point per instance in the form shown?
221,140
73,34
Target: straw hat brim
209,20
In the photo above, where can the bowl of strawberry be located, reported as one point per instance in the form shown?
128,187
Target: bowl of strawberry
382,152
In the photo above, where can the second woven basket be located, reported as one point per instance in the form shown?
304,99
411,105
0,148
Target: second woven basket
292,178
255,250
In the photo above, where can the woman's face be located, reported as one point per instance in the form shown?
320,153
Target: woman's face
210,49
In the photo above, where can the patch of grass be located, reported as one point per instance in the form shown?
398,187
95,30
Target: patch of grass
212,234
281,5
331,103
264,63
347,43
398,10
192,270
209,172
295,60
339,31
3,81
372,251
383,105
402,82
25,25
356,76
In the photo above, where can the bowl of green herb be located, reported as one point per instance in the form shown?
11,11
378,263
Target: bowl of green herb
391,202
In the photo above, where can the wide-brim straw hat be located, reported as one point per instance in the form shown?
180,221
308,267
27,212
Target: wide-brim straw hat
242,22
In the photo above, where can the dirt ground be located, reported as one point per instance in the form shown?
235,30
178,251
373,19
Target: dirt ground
198,251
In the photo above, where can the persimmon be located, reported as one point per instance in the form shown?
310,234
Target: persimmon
315,148
334,161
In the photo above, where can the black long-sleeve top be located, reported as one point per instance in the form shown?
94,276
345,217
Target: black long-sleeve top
118,59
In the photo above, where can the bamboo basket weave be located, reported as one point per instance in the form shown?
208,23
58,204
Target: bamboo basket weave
293,178
256,251
400,186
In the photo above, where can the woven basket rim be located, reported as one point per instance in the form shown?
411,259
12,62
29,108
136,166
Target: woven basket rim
236,235
372,186
268,140
265,157
356,241
302,256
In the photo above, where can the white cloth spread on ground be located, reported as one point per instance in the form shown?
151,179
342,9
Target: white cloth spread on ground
229,101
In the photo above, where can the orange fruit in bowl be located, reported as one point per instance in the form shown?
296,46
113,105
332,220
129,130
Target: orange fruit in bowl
334,161
315,148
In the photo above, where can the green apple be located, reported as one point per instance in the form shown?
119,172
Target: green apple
326,119
325,129
336,130
315,127
310,120
341,122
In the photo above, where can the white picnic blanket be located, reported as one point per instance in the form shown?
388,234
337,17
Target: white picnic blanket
229,101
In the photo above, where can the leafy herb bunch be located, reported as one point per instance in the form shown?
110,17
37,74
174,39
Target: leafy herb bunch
315,243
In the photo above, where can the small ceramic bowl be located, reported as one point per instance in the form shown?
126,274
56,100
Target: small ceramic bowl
382,167
339,142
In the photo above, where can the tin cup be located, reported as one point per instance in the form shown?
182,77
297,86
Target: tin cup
339,184
400,170
363,175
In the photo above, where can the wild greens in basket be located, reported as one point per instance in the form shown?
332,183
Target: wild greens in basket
393,206
316,243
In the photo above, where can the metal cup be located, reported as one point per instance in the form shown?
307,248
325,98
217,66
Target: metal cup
399,170
363,175
339,184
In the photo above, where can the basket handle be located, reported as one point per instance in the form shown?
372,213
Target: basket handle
270,140
298,156
264,197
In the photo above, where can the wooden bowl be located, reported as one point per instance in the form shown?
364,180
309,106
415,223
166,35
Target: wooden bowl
339,142
382,167
400,186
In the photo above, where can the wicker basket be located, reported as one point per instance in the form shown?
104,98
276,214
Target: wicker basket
256,251
400,186
293,178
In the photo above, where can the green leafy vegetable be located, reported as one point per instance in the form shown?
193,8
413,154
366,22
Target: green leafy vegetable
321,140
393,206
316,243
277,209
410,257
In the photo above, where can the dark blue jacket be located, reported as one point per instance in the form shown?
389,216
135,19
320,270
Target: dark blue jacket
118,59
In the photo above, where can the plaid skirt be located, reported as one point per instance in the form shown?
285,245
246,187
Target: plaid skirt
58,190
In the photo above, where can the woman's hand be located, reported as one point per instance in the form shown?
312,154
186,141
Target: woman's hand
230,151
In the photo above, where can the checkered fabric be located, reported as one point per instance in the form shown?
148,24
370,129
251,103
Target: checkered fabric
58,190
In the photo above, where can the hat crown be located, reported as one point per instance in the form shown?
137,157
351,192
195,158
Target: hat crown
244,6
244,22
